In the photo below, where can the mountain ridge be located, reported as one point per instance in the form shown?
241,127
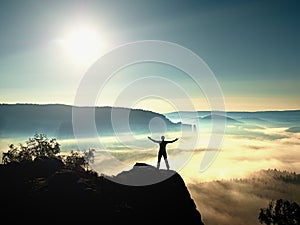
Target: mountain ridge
56,120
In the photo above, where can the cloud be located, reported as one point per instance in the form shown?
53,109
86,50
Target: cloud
240,156
239,201
222,200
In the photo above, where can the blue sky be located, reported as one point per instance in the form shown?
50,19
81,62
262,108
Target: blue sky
252,47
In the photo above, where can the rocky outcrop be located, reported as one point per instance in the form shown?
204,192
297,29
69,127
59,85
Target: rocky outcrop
142,195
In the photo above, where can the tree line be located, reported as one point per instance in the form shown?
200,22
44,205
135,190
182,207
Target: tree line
40,146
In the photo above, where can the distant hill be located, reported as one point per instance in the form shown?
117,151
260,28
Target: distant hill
281,118
293,129
56,120
219,117
46,192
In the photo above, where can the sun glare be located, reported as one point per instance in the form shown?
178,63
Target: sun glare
83,44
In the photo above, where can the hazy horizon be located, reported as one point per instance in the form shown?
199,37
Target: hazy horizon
254,135
164,113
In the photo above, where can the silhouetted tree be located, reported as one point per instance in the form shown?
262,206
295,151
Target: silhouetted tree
35,147
89,157
40,146
281,212
75,161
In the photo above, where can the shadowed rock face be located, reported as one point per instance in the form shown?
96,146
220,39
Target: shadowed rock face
67,196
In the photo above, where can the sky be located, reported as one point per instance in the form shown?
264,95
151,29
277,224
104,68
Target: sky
251,47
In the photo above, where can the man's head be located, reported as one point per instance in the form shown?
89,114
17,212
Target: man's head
162,138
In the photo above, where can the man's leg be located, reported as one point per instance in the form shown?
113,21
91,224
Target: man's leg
166,160
167,163
158,159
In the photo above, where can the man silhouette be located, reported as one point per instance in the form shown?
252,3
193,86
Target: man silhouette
162,150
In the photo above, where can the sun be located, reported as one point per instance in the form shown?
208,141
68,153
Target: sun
83,44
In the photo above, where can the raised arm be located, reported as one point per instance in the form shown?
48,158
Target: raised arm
153,140
173,140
